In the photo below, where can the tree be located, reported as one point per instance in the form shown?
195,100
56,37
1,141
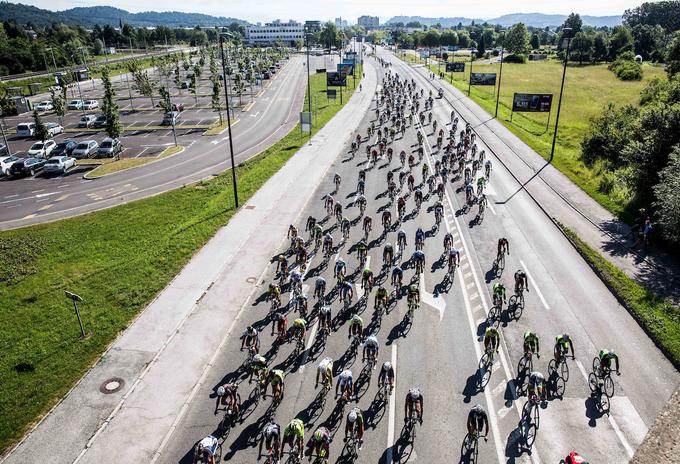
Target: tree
535,42
582,45
110,108
329,35
620,41
463,39
574,22
41,132
216,100
481,47
600,46
648,40
517,39
192,88
178,78
673,56
413,25
666,14
667,194
239,88
144,84
449,38
432,38
164,102
59,103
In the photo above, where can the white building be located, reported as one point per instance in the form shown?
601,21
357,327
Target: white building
369,22
273,32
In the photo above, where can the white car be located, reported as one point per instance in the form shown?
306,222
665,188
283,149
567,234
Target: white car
53,128
41,149
44,106
59,164
6,162
90,104
75,104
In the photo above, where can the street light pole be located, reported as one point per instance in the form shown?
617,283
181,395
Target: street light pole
309,85
472,55
500,75
226,97
567,31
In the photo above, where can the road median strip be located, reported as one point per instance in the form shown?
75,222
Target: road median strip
114,166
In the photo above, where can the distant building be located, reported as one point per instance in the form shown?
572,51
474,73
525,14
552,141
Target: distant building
312,26
340,23
276,31
369,22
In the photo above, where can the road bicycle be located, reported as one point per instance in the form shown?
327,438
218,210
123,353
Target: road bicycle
384,392
560,367
470,447
531,410
600,379
525,365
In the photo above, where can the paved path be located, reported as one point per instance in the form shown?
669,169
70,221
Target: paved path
564,200
162,356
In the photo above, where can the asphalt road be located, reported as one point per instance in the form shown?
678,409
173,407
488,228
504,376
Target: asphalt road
439,351
41,199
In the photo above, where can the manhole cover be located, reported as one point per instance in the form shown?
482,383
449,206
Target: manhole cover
111,385
250,207
251,280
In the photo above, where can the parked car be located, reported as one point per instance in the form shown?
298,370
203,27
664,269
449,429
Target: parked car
186,84
172,117
90,104
87,120
64,148
28,166
266,75
3,150
53,128
26,129
59,164
44,106
6,162
41,149
109,148
75,105
100,121
85,149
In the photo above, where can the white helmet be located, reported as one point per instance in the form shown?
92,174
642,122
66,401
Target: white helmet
221,391
387,366
352,417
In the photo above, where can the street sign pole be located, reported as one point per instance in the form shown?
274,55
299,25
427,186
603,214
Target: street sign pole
75,298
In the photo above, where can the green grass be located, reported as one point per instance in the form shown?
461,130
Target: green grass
116,259
658,318
110,165
587,90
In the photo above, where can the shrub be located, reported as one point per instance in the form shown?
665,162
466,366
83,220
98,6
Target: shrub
515,59
626,68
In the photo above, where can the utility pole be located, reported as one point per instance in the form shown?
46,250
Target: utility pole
226,97
567,31
500,76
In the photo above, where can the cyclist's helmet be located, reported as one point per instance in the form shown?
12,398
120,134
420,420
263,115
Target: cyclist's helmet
356,318
258,358
387,366
413,393
251,331
479,409
221,391
566,337
352,417
318,435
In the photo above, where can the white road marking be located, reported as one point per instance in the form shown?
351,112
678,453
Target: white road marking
390,423
533,284
429,299
254,115
142,152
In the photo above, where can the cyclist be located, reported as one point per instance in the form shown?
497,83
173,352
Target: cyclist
481,183
606,358
503,247
280,321
250,339
531,342
491,339
311,222
413,294
401,206
454,256
301,304
362,249
325,318
448,241
482,202
356,327
521,282
271,438
413,403
346,224
346,291
361,201
329,203
274,293
325,371
418,196
563,344
327,243
386,219
345,384
386,375
337,179
361,186
282,264
388,254
487,168
226,394
574,458
469,192
339,269
498,291
205,450
397,276
355,424
367,279
478,420
368,222
381,296
420,238
321,439
320,287
371,349
299,329
292,232
318,233
419,260
258,364
438,211
401,240
294,435
537,386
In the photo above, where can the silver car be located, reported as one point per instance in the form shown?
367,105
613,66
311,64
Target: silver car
59,164
85,149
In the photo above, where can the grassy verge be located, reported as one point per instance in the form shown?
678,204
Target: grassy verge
116,259
657,317
587,90
122,164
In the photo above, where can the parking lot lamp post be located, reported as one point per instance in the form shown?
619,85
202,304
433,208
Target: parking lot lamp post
80,93
4,137
500,74
567,33
309,85
226,97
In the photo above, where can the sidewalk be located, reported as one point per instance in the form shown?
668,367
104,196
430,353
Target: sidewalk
566,202
161,359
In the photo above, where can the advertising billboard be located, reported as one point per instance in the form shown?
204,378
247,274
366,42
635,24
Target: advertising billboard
532,102
345,68
483,78
457,66
336,79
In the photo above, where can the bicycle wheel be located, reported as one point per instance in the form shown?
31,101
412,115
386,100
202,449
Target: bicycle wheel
596,363
530,435
537,415
564,370
526,411
465,446
552,367
608,386
484,361
593,382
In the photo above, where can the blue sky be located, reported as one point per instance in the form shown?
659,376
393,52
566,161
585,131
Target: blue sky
265,10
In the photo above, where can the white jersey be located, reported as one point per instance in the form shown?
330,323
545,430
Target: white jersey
323,365
371,342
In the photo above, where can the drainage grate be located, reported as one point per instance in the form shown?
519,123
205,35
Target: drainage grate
111,385
250,207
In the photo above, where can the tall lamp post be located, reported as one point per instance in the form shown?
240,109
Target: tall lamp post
309,85
226,97
567,32
500,74
472,56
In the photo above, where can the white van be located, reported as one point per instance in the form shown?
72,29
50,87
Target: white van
26,129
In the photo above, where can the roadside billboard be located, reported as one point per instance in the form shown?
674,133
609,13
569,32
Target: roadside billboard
456,66
336,79
532,102
345,68
483,78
